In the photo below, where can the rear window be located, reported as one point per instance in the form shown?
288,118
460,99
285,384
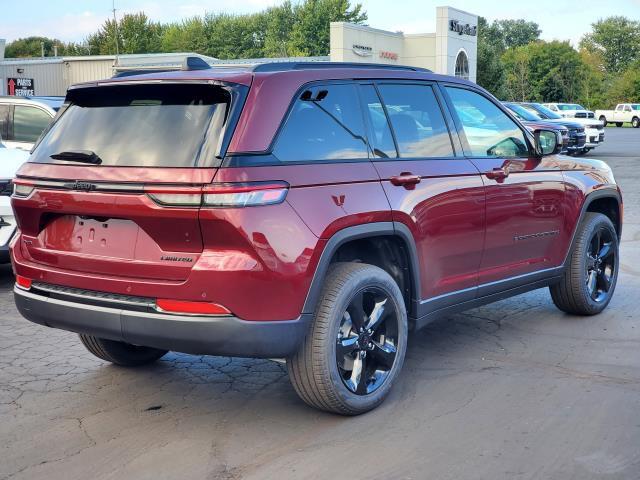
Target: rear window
141,125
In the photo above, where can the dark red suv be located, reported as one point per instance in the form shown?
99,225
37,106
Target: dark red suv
313,212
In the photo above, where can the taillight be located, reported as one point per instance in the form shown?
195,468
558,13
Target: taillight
245,194
230,195
175,196
190,308
22,188
23,282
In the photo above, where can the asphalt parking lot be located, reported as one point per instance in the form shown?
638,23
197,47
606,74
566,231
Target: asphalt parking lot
514,390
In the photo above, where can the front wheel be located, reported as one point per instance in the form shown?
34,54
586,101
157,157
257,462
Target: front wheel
635,122
590,279
355,349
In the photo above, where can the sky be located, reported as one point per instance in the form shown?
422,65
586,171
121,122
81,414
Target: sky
73,20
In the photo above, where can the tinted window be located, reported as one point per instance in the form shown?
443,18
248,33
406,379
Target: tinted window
4,121
324,124
489,131
140,125
417,121
28,123
381,139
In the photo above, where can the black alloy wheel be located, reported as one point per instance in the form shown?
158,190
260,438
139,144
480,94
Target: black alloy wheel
601,264
367,339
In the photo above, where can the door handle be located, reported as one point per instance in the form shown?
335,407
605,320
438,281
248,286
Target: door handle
406,179
498,174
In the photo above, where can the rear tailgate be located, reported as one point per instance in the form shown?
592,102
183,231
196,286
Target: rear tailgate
113,228
98,193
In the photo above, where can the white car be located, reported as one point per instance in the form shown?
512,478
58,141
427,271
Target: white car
10,162
23,119
570,110
624,113
593,128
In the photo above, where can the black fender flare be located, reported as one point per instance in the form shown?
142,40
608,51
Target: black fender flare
357,232
613,193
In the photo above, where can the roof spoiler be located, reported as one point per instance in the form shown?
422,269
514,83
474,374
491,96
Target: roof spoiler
194,63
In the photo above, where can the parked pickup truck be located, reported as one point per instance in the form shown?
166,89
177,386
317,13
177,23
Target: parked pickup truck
624,113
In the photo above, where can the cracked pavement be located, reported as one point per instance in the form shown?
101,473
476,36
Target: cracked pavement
510,390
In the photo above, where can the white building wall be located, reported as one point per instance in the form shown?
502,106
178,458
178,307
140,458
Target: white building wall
48,76
88,70
449,43
436,51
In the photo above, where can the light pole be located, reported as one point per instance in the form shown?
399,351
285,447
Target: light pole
115,25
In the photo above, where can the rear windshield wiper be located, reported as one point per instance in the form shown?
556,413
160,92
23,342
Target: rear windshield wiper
81,156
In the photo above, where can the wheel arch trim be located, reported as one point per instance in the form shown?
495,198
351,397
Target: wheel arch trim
357,232
612,193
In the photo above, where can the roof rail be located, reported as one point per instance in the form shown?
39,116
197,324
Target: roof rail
285,66
194,63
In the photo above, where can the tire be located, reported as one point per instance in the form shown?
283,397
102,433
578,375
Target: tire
635,122
319,375
618,124
120,353
603,119
573,293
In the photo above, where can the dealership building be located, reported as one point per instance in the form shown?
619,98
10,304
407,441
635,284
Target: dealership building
450,50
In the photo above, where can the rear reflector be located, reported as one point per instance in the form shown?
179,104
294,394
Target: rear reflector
23,282
191,308
250,194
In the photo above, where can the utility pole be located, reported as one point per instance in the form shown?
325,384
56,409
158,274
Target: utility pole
115,24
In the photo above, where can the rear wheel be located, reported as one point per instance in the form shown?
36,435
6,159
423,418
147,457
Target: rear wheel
603,119
121,353
635,122
355,349
590,278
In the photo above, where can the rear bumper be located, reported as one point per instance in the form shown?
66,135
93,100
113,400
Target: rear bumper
224,336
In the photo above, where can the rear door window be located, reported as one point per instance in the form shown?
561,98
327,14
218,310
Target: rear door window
29,123
325,124
417,121
149,125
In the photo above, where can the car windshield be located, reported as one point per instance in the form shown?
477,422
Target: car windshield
543,111
139,125
570,106
522,113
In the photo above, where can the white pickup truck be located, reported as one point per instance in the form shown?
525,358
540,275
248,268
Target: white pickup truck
624,113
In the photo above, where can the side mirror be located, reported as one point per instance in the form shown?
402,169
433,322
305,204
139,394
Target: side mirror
548,142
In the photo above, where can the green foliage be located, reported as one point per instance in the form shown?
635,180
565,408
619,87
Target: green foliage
32,47
493,40
617,40
284,30
135,33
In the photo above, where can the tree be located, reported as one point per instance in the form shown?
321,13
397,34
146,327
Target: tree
518,73
517,33
626,88
617,40
310,32
490,71
135,34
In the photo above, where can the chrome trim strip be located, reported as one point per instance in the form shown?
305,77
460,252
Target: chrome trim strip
42,287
